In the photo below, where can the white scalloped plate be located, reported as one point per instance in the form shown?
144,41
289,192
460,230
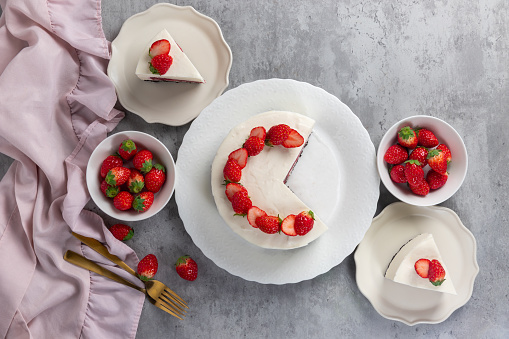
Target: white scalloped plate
392,228
355,183
172,104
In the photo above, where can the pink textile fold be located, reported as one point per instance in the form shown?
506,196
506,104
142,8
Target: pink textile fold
56,105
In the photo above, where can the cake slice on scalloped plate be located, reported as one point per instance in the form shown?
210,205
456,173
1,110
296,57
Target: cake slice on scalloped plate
180,69
415,264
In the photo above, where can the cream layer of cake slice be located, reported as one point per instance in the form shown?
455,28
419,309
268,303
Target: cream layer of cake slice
264,177
401,269
181,70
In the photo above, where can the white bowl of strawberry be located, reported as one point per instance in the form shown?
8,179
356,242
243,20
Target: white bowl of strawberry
422,160
131,176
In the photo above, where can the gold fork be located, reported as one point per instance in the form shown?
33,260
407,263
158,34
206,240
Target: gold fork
155,289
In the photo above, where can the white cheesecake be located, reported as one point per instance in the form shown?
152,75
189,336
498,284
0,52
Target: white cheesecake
181,70
264,178
401,269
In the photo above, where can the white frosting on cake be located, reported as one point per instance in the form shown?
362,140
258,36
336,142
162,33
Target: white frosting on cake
182,69
402,270
263,177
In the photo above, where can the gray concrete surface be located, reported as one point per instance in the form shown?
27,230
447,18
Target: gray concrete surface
386,61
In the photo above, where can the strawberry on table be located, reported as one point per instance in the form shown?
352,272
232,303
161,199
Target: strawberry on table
160,64
268,224
254,146
426,138
142,161
232,171
240,156
413,172
241,203
143,201
109,191
155,178
277,134
118,176
436,273
159,47
136,181
258,132
407,137
253,214
110,162
304,222
419,153
147,267
396,154
447,152
127,149
422,267
186,268
123,201
294,140
288,225
421,188
435,179
437,161
122,232
397,174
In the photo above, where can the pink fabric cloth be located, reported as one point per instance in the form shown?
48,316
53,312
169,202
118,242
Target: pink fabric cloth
56,105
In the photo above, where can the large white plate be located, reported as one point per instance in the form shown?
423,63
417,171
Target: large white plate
393,227
351,154
170,103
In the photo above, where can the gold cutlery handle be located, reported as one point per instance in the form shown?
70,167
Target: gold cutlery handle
102,250
81,261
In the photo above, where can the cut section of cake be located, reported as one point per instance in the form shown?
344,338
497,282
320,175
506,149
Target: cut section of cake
263,178
419,264
175,66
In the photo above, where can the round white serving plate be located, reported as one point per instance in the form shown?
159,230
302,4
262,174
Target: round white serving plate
391,229
199,37
350,177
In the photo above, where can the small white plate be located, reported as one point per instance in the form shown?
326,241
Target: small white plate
391,229
344,192
201,39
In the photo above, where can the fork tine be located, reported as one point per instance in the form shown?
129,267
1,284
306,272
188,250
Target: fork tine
165,308
176,297
172,303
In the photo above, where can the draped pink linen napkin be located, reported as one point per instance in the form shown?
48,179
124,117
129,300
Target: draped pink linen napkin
56,105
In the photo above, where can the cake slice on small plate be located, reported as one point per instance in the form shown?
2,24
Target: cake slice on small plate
168,63
419,264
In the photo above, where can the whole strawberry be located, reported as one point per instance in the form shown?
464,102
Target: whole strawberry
136,181
419,153
407,137
232,171
127,149
122,232
435,179
110,162
397,174
147,267
160,64
109,191
241,203
447,152
277,134
426,138
420,189
396,154
118,176
143,201
437,161
155,178
413,172
187,268
254,146
436,273
123,201
304,222
268,224
142,161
